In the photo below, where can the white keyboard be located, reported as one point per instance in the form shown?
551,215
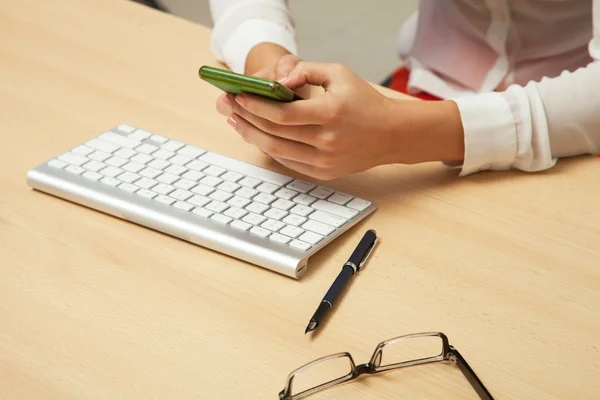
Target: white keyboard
251,213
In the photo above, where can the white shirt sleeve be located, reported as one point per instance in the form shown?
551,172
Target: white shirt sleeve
239,25
529,127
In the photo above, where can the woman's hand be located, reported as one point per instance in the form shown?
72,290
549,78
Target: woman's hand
350,128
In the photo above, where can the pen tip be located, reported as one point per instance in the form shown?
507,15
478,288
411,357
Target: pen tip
311,326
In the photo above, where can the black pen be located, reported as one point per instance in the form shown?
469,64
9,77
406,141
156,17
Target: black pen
356,261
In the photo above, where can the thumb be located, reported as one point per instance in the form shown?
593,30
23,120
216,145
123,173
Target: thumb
310,73
284,65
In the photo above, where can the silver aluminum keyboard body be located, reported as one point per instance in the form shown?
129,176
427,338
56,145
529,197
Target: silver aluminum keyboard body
89,175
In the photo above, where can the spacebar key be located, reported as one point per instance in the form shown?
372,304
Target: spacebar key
245,168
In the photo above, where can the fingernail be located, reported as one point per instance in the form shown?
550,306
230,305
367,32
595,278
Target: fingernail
240,99
284,79
232,121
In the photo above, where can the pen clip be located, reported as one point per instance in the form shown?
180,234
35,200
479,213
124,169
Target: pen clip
364,260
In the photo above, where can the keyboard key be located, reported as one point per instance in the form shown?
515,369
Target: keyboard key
94,166
340,198
150,172
158,139
164,199
211,181
236,213
292,231
203,212
266,187
128,187
196,165
193,175
301,186
102,145
283,204
237,201
231,176
304,199
159,164
328,219
276,237
176,169
264,198
179,159
318,227
162,188
262,232
257,208
133,167
300,245
117,161
213,170
74,169
240,225
146,193
246,192
302,210
217,206
163,154
294,219
111,172
184,184
110,181
334,209
199,201
229,187
128,177
272,225
119,140
99,156
220,195
167,178
254,219
57,164
73,159
359,204
203,190
181,195
146,183
126,128
221,218
142,158
321,192
250,182
125,153
172,145
275,213
139,134
146,148
191,151
182,205
92,175
83,150
310,237
246,169
285,193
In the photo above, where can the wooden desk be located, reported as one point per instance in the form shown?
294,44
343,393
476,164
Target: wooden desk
92,307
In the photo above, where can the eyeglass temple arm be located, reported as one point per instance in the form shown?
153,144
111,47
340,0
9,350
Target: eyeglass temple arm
470,374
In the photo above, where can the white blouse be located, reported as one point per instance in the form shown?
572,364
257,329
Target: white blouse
525,74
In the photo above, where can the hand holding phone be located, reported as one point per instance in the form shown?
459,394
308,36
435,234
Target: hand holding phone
234,83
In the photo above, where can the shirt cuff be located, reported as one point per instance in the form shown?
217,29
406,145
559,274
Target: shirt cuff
250,33
490,134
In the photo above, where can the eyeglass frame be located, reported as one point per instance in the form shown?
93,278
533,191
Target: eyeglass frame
449,353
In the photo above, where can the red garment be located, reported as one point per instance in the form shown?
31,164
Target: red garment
400,82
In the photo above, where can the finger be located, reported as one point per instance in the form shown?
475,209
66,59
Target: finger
270,144
300,133
313,73
313,111
225,104
305,169
285,65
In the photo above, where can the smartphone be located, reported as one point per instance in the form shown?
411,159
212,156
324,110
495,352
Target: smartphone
235,83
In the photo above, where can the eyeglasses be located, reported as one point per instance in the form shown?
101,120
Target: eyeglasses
396,353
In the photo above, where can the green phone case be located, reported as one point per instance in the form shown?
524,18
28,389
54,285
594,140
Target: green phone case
235,83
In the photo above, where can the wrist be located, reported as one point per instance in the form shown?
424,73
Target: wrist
263,55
